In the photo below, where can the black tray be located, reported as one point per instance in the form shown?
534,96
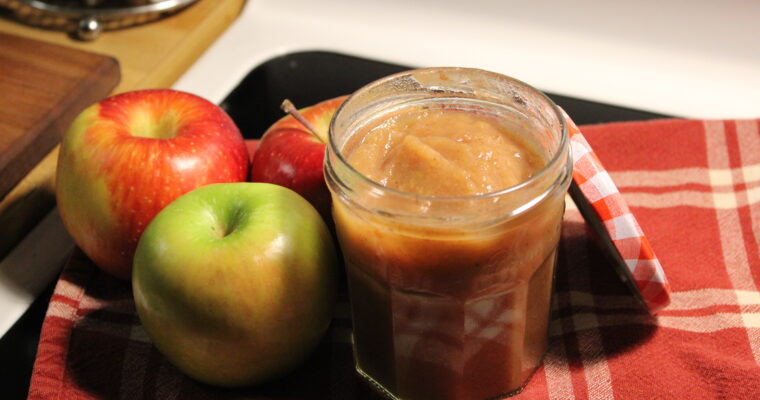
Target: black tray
305,78
309,77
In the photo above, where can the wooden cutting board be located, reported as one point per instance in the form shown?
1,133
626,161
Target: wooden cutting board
43,86
153,55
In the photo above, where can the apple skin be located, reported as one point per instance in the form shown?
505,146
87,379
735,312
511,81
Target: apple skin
125,158
235,283
251,145
289,155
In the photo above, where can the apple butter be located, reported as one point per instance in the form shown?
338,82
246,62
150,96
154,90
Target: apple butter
448,210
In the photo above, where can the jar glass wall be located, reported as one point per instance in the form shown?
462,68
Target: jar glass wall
450,295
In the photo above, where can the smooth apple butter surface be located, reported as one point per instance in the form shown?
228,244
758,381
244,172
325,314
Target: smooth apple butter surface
443,152
447,311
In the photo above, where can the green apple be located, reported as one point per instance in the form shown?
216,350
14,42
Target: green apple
235,282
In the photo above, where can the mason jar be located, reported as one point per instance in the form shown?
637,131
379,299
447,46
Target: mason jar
450,294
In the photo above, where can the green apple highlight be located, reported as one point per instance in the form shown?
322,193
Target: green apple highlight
235,283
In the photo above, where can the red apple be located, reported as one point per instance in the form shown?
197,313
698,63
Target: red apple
251,145
125,158
290,155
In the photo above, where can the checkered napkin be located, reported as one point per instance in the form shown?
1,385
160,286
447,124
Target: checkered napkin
604,208
694,187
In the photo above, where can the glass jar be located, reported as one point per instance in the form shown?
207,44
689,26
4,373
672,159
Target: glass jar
450,296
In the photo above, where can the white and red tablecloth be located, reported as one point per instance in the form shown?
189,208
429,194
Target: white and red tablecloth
694,187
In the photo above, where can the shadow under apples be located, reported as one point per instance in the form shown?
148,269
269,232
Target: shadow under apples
114,366
110,355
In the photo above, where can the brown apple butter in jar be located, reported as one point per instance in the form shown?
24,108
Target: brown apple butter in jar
448,193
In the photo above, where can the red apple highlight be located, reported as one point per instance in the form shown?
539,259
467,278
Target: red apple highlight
291,156
125,158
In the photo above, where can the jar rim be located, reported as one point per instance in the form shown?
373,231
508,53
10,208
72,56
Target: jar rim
550,165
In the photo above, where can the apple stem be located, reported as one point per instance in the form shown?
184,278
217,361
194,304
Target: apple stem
289,108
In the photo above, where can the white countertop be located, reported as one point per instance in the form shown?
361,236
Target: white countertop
696,59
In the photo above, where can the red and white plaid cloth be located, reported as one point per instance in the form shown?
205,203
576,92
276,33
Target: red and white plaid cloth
695,189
